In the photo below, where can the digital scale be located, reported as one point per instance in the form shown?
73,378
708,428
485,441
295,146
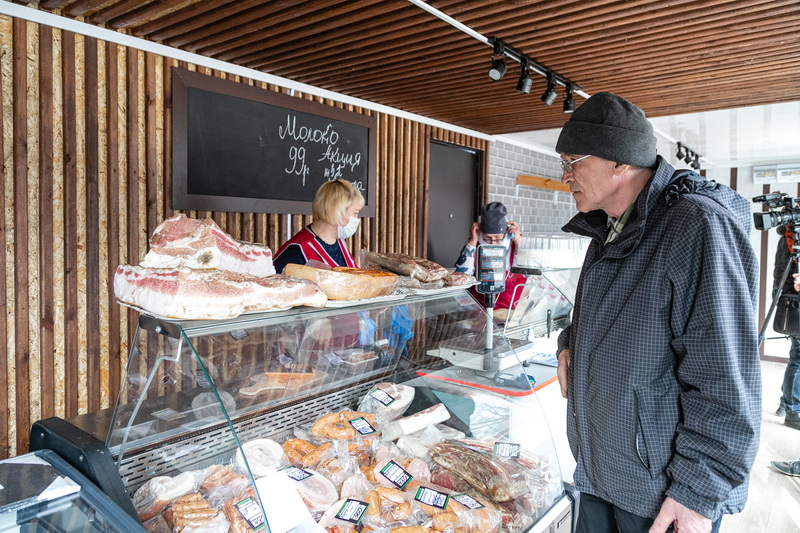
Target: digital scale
485,354
470,351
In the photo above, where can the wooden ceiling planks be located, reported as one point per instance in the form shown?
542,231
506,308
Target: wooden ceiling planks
677,57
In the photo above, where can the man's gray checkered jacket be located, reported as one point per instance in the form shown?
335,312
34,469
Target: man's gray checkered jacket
664,395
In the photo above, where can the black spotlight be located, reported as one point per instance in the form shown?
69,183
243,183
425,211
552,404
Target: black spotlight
498,68
696,162
525,82
569,102
679,153
689,156
550,93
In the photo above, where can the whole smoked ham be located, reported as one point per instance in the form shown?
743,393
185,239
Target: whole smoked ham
344,283
180,241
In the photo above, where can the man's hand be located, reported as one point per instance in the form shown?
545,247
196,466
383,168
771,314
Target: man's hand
681,517
796,282
474,233
563,371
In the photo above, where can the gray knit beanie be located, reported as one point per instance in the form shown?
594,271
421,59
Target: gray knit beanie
493,218
610,127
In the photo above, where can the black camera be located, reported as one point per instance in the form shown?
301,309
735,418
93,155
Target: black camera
782,211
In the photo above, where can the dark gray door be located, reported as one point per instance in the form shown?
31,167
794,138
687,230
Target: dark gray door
454,196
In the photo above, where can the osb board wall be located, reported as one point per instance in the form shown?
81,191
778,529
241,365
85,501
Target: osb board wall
86,144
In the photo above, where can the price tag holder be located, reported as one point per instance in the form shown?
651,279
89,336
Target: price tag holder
432,497
467,501
361,425
384,397
251,513
396,474
507,449
352,511
297,474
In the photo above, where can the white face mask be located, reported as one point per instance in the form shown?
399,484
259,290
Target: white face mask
349,230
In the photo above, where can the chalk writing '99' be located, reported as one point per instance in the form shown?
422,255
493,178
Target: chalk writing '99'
297,156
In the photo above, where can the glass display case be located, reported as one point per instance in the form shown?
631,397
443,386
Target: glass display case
376,412
40,491
545,302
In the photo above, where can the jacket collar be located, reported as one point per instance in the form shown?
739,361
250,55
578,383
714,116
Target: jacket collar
594,223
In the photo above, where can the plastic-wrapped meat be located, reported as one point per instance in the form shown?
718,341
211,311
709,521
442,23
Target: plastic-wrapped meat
416,422
316,492
454,279
387,401
192,513
446,478
497,478
220,483
416,468
515,517
331,524
355,487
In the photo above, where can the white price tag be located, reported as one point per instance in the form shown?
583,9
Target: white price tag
396,474
382,396
507,449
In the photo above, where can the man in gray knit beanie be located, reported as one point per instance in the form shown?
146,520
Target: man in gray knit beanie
610,127
660,365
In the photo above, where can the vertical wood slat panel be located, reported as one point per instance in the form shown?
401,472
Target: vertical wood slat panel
6,422
92,208
70,242
21,297
152,207
46,229
115,328
423,143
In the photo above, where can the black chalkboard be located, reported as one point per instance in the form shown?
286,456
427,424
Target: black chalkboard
238,147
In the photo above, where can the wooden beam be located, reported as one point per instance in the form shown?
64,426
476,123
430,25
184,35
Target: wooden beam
542,183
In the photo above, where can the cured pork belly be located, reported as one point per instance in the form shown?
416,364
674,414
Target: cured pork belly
180,241
209,294
281,292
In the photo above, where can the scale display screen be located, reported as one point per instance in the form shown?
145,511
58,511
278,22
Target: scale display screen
491,269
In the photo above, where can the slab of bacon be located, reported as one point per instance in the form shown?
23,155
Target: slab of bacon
201,244
185,293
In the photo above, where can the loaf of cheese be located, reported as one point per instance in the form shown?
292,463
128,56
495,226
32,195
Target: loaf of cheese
346,283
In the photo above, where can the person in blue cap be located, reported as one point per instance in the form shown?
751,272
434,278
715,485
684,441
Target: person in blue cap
493,227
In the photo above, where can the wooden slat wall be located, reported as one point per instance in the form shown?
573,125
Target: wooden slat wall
86,145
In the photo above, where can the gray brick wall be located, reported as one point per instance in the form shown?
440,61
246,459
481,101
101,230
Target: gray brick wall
536,210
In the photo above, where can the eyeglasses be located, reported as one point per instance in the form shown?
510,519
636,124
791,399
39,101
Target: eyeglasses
567,165
493,238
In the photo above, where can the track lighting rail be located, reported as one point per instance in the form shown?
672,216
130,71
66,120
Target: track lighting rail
510,52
